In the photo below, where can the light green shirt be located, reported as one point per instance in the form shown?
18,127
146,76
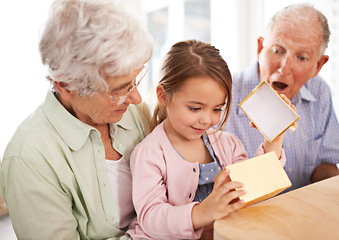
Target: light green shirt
53,174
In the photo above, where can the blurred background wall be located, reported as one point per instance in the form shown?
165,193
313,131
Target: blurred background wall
231,25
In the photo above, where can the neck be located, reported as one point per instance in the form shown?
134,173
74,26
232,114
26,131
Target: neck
66,104
69,107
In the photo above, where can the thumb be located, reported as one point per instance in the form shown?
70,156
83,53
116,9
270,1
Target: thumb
222,178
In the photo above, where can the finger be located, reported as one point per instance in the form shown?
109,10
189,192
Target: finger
293,107
283,96
232,200
252,125
236,205
288,101
221,178
229,187
293,127
232,195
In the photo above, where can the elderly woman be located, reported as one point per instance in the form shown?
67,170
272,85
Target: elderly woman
65,173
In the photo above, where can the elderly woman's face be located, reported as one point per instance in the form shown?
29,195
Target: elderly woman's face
99,108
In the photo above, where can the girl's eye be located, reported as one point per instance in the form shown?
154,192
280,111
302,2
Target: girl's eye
194,109
218,110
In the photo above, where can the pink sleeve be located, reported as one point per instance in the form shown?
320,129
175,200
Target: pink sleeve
282,159
155,216
228,148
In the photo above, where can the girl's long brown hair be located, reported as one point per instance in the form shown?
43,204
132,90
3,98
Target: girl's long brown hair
189,59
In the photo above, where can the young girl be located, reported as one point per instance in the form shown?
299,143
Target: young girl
174,166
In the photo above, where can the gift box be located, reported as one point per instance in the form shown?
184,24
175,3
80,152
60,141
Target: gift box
268,111
263,177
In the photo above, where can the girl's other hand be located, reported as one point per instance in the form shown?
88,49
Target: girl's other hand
288,101
223,200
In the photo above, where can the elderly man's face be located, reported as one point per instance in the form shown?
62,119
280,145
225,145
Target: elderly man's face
290,56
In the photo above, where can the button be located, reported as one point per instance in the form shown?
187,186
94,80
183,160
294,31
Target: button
190,195
194,170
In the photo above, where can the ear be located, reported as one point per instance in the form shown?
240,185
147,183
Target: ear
320,64
63,91
260,42
161,95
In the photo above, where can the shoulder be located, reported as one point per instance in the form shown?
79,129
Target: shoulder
34,148
155,140
137,116
140,110
47,134
156,144
244,81
318,86
319,90
32,132
247,74
151,150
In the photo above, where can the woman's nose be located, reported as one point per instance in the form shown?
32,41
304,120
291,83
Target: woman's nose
134,97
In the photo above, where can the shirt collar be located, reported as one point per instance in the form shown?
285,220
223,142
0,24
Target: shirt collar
303,94
73,131
126,122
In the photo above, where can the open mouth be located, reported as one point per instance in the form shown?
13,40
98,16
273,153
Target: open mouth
279,86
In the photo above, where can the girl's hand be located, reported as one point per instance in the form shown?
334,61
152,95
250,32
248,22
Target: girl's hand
223,200
288,101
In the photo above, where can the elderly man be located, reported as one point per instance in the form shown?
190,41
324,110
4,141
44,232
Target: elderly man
290,56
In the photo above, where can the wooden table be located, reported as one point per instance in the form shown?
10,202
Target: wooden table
311,212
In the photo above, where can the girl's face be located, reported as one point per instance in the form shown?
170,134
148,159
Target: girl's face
194,108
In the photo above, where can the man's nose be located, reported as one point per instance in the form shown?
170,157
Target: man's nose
286,65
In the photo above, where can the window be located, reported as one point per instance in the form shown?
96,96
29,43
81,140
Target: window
233,27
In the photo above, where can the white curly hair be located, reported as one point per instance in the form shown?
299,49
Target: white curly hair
84,40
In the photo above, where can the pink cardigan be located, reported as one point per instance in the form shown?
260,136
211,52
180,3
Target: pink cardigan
164,184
